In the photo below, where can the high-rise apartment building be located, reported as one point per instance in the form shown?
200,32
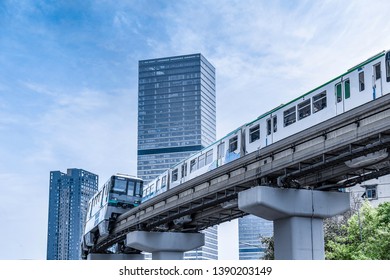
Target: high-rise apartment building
68,201
176,111
176,117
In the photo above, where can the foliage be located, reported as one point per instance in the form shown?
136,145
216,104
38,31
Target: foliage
268,243
365,236
363,233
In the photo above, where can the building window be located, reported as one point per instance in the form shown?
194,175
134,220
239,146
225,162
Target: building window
361,81
290,116
233,144
304,109
319,102
254,133
371,192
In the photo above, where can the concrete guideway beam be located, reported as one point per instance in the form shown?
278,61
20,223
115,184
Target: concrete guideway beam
165,245
298,217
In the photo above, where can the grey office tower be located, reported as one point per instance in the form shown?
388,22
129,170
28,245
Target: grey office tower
176,111
176,118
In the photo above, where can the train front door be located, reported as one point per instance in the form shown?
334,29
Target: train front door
343,94
339,98
272,127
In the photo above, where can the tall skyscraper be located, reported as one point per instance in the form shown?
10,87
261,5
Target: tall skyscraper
176,111
68,201
176,117
250,231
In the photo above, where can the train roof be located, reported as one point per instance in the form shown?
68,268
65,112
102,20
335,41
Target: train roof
382,53
378,55
127,176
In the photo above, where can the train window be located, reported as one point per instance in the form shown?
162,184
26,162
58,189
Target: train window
130,188
319,102
289,116
233,144
89,209
201,160
175,175
145,192
209,157
361,81
164,181
388,68
193,165
377,70
148,191
138,189
347,89
100,198
269,126
339,96
221,150
254,133
304,109
275,119
152,189
184,170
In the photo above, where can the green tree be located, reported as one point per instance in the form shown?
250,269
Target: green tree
366,235
363,233
268,243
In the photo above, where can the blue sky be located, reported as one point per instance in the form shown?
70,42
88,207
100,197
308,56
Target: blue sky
68,80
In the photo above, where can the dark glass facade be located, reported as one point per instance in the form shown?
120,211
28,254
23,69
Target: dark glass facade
176,111
176,117
68,200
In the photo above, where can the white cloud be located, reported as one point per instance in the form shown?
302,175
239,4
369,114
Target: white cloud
266,53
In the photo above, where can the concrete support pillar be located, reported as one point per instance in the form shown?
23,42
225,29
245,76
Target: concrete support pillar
115,257
298,217
164,245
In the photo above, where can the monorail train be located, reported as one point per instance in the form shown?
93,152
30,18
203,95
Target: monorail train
117,195
360,84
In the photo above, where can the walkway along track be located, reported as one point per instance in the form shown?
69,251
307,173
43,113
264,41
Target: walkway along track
314,158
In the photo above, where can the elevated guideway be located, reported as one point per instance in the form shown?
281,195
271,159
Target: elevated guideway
338,153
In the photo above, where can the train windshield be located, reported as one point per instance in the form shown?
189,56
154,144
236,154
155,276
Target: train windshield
138,189
388,67
130,188
119,186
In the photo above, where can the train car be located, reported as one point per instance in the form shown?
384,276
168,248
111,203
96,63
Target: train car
156,186
362,83
117,195
357,86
